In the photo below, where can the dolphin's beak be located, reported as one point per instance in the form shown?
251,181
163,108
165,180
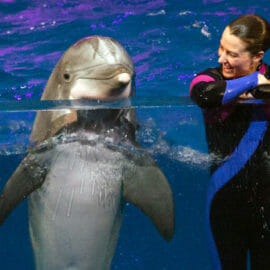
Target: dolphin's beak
124,78
118,86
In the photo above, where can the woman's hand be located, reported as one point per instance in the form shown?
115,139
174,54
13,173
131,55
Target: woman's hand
246,96
262,90
262,80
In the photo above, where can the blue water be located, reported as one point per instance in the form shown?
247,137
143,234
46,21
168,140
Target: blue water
169,42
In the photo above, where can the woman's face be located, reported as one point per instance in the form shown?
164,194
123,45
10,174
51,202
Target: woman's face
235,59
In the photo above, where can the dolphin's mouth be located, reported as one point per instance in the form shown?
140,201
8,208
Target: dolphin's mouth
107,89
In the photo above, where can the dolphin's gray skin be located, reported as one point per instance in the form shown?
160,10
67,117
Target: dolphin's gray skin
85,165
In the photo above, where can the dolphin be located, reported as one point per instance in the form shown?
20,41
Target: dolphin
83,166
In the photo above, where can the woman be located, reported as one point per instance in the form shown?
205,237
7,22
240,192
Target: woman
238,202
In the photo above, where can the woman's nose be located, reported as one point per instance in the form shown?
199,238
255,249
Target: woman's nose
222,57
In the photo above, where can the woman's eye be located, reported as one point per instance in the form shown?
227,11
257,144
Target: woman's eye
220,50
66,76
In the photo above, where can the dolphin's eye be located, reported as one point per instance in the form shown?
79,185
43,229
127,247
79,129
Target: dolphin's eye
66,76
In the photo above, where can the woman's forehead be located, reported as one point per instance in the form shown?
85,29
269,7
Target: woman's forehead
231,42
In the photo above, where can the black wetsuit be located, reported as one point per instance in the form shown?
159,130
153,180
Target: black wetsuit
239,192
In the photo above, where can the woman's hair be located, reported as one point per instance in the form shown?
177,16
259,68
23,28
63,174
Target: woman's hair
254,30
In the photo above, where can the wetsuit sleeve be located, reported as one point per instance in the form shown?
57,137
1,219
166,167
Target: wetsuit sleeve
209,91
261,91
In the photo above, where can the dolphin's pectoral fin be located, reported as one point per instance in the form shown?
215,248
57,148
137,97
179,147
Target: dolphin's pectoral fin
28,177
149,190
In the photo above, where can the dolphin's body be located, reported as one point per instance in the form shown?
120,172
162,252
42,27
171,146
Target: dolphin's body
83,166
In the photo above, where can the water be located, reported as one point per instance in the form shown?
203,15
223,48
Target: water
169,42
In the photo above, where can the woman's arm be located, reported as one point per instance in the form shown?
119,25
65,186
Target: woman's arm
208,94
261,91
214,93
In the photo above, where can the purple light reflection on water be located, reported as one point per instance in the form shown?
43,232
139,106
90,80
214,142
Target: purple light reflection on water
101,25
28,95
185,76
35,82
33,90
18,96
60,4
5,143
33,62
13,49
212,1
151,77
235,11
30,86
141,56
117,21
40,13
142,68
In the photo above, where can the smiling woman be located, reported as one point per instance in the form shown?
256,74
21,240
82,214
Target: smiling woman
242,47
235,59
238,206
